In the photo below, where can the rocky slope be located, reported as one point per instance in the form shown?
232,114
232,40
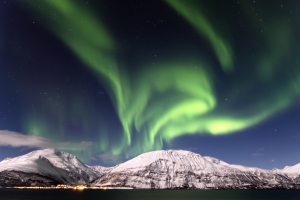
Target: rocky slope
59,166
184,169
157,169
14,178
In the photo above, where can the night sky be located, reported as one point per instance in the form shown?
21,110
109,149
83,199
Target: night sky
108,80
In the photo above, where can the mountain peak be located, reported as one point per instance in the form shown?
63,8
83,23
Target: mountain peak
66,167
175,159
155,169
292,169
185,169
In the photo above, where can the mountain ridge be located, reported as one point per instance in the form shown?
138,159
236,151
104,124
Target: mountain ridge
60,166
160,169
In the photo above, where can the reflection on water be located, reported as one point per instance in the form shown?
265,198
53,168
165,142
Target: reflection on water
17,194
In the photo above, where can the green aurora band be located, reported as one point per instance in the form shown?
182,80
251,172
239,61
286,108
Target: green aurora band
154,109
197,19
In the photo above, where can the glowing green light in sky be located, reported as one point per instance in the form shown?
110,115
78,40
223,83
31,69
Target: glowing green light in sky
189,94
90,40
194,15
174,98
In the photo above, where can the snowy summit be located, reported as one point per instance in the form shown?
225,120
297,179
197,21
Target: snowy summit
157,169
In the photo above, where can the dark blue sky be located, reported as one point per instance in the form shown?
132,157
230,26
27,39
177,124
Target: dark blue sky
109,80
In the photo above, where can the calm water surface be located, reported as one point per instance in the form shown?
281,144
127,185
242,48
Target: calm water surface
16,194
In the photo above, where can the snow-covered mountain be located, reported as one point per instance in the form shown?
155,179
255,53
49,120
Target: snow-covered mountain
292,169
157,169
57,165
184,169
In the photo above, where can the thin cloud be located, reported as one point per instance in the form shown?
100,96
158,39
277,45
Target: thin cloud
72,144
192,148
257,154
93,158
14,139
272,160
108,157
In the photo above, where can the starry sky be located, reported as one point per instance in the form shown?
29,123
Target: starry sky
108,80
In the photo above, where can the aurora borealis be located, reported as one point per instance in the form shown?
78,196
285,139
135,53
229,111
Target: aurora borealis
112,79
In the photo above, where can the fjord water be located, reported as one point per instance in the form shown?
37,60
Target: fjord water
19,194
